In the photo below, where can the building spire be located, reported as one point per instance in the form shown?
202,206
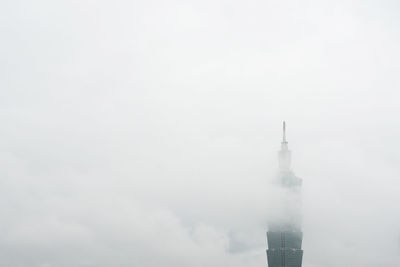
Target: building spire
284,154
284,133
284,144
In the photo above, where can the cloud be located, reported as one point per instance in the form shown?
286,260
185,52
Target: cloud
145,133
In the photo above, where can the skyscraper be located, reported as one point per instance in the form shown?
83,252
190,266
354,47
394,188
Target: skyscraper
284,234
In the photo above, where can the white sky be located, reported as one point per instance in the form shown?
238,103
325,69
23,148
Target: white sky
144,133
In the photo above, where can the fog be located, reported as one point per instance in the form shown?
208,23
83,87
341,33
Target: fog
145,133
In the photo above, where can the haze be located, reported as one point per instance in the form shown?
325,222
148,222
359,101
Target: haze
145,133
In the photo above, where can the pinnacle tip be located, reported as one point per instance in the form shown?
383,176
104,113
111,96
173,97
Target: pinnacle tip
284,132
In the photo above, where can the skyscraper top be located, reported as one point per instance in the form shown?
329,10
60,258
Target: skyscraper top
284,234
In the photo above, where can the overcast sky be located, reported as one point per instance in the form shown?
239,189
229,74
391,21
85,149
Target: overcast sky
145,133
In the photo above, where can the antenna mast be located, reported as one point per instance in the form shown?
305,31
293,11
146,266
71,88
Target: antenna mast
284,132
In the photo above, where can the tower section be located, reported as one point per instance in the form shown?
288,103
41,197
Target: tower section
284,236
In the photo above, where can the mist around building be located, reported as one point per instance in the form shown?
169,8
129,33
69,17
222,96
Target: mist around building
149,133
